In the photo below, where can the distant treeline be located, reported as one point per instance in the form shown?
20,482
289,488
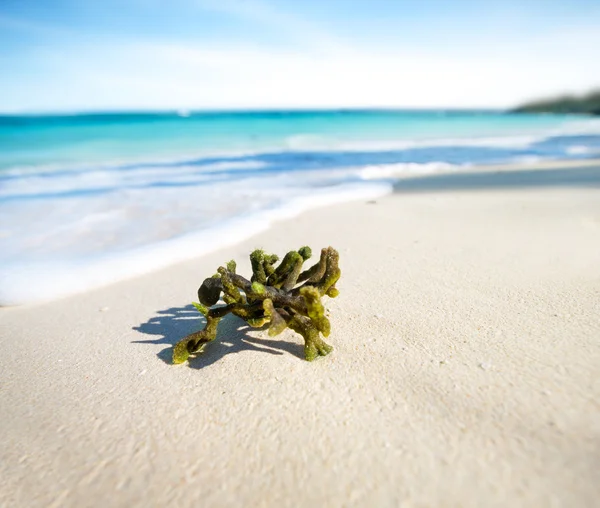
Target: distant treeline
587,104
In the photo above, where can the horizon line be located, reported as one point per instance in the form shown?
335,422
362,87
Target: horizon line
184,112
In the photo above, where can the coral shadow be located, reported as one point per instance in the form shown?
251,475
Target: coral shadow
171,325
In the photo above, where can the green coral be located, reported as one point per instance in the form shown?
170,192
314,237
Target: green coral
281,297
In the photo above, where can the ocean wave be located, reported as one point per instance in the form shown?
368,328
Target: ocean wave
67,228
582,150
310,142
408,144
572,128
106,179
446,154
23,282
578,127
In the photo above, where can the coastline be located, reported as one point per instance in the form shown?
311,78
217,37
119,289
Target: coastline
464,369
25,281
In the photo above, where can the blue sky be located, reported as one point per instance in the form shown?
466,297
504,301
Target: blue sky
74,55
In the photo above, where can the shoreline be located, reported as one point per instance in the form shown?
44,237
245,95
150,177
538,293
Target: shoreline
80,277
463,373
553,164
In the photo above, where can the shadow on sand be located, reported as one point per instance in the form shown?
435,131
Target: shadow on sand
171,325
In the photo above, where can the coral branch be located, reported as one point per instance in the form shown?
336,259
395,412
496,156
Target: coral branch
271,296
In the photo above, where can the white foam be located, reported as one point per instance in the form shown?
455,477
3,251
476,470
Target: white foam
381,171
31,184
578,126
23,282
581,150
492,142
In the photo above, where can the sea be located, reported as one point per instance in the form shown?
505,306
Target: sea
90,199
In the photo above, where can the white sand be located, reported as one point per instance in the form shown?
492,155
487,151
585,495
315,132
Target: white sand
465,371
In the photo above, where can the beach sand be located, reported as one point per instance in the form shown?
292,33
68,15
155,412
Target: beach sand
465,370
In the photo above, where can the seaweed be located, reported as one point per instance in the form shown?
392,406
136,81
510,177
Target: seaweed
280,297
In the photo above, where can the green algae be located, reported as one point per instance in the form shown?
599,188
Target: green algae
280,296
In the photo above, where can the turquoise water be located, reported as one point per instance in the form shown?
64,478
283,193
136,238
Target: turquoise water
112,138
89,199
